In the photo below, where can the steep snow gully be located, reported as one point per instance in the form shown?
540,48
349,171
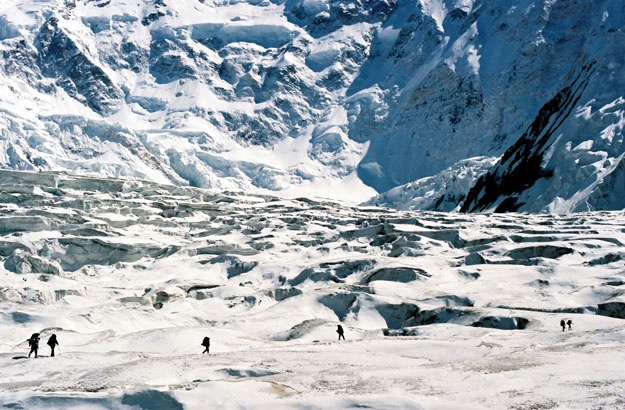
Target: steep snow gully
441,310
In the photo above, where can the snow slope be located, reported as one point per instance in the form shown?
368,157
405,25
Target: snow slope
323,98
441,311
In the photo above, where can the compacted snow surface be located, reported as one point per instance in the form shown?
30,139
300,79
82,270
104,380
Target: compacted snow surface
441,311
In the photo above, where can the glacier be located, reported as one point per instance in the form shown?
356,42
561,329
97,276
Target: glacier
327,99
441,310
443,178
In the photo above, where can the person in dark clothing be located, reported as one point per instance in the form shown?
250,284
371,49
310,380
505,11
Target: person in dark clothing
33,342
563,325
569,323
52,342
339,330
207,344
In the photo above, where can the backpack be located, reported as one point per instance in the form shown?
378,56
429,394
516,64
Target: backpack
206,341
33,339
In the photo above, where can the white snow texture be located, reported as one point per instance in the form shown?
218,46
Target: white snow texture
262,171
440,310
325,98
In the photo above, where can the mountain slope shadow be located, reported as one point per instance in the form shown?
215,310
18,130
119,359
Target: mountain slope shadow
521,166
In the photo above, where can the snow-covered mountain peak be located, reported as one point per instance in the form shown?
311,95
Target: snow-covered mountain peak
369,95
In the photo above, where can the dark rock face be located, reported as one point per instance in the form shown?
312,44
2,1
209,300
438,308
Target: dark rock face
61,58
21,60
169,62
521,165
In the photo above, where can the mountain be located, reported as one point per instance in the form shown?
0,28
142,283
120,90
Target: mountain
325,98
440,310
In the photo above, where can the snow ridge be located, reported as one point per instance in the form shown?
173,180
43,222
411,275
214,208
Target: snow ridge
322,98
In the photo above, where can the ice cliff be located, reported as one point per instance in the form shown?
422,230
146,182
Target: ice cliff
430,104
